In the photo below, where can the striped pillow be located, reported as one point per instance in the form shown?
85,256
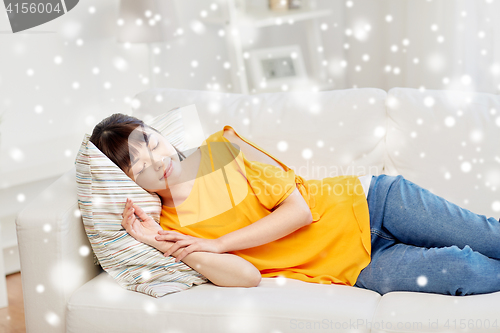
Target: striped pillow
102,189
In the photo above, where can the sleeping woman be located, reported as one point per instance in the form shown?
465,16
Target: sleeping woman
235,213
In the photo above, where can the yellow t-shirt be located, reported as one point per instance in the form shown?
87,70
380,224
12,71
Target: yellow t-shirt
231,192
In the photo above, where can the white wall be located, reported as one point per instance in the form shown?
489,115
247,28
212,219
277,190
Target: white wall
35,145
456,44
39,145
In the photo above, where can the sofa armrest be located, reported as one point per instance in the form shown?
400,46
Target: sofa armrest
55,254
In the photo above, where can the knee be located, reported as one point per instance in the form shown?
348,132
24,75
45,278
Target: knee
459,272
456,261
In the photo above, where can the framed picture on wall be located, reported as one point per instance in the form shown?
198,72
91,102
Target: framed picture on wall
272,68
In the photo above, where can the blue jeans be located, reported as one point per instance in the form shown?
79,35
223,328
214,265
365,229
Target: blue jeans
422,242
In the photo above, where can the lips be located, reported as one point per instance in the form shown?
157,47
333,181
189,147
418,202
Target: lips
168,170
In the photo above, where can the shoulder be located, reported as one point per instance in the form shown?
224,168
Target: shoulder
250,152
229,132
231,135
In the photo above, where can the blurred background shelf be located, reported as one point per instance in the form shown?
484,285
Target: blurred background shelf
260,18
236,14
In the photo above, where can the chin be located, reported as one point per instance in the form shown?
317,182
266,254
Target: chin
164,188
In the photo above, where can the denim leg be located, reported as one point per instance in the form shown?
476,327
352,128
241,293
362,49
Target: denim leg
446,270
443,268
381,238
415,216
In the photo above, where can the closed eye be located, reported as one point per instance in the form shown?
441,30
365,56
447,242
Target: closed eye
142,169
145,163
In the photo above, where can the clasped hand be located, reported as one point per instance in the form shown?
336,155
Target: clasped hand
148,231
189,243
144,231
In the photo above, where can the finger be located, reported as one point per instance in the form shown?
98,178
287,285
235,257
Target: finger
184,242
164,232
140,212
128,226
128,203
127,222
128,215
125,209
183,254
179,257
127,212
177,245
167,237
134,226
171,250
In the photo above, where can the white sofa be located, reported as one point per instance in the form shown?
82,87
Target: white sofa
448,142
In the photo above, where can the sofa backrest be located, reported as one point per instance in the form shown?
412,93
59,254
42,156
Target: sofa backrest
436,138
447,142
318,134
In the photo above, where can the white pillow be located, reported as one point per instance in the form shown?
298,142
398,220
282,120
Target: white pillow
102,192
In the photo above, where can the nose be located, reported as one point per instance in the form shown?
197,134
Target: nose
159,162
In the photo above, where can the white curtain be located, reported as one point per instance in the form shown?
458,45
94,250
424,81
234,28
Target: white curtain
437,44
468,56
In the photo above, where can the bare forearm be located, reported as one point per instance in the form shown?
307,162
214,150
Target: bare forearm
283,221
162,245
223,269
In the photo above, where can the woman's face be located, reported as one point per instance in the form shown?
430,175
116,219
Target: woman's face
154,159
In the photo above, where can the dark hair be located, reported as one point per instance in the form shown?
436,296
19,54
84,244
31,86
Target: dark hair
112,137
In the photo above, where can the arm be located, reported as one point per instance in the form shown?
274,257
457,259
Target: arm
292,214
222,269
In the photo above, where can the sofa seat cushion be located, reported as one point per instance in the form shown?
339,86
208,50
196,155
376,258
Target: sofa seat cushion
423,312
276,305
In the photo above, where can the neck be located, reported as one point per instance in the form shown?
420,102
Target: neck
177,194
